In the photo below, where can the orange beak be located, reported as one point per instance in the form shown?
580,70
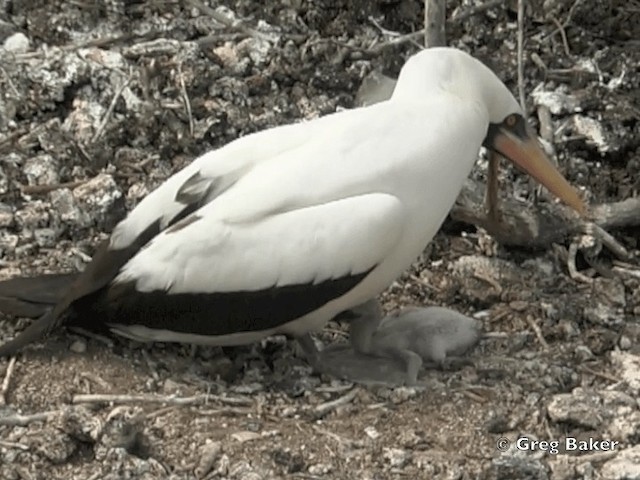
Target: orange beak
519,146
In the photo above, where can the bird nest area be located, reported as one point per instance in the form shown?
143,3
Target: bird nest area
102,100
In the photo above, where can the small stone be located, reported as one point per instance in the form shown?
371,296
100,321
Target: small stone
8,242
578,408
78,346
80,423
371,432
209,453
41,170
16,43
170,387
245,436
628,369
320,469
625,466
6,215
45,237
396,457
518,305
508,468
583,353
625,427
55,446
625,343
402,394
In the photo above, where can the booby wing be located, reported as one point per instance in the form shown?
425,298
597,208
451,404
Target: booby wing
209,276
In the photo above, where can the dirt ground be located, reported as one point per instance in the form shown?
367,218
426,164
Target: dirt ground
100,101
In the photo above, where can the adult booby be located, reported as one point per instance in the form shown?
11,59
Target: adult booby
279,231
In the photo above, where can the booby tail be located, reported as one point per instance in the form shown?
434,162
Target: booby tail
32,297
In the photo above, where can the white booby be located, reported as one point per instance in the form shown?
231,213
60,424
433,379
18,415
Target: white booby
279,231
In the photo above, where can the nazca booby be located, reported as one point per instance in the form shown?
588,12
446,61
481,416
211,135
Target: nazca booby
281,230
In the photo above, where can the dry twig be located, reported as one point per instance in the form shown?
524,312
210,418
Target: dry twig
493,187
112,106
185,98
169,400
19,446
540,226
18,420
434,22
44,189
538,333
523,103
571,264
324,408
7,379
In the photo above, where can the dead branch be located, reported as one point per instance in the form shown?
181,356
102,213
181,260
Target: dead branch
24,420
523,103
44,189
168,400
538,332
7,379
539,227
324,408
19,446
434,21
112,106
493,187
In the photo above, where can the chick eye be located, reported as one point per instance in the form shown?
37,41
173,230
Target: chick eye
511,120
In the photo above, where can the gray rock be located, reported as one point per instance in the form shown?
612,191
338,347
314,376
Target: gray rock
510,468
16,43
41,170
579,408
628,369
625,466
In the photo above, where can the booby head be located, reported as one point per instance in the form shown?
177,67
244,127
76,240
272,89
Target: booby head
450,70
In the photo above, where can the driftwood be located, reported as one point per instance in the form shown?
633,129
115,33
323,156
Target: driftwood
541,225
434,22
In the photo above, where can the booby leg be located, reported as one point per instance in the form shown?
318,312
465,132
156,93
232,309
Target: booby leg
310,350
363,324
360,361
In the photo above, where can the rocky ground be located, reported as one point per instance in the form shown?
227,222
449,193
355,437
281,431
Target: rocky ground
101,100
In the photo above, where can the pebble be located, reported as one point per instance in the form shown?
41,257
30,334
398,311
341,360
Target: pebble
625,466
245,436
583,353
320,469
16,43
625,343
396,457
78,346
371,432
580,407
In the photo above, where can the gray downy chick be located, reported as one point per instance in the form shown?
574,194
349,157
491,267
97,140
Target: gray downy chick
400,346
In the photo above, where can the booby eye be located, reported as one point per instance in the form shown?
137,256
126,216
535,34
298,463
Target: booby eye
511,120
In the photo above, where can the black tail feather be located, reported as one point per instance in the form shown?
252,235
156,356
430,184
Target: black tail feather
33,297
34,332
